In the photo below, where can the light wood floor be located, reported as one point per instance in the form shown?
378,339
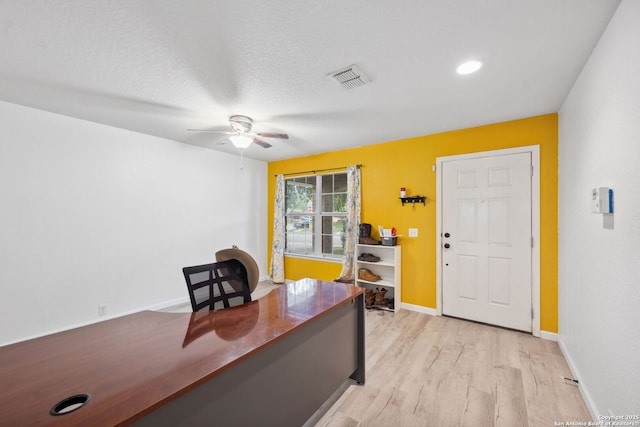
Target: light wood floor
438,371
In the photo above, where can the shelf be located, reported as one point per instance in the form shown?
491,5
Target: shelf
379,283
388,268
382,262
413,200
381,309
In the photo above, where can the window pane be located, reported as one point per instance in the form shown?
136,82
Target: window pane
300,196
327,203
338,244
327,225
333,237
327,184
327,244
299,234
340,183
340,203
298,222
339,224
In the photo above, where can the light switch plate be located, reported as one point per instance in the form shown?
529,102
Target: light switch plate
413,232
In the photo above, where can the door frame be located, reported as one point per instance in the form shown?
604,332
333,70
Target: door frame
535,223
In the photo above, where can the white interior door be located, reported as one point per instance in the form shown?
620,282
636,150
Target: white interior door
487,239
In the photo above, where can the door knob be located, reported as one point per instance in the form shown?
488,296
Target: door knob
447,246
447,235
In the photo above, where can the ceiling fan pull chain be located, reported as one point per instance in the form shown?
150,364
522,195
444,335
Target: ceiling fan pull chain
242,159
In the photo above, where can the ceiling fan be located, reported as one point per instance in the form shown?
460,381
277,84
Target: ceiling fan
241,135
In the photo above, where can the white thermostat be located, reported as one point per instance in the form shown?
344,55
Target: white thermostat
602,200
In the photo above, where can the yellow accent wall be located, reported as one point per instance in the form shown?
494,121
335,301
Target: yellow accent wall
408,163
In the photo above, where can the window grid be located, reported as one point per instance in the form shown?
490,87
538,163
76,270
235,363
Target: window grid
315,215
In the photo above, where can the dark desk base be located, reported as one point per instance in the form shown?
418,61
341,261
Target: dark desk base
282,385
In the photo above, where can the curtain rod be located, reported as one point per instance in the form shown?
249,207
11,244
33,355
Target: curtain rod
317,170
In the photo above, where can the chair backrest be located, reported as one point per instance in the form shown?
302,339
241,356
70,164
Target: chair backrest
218,285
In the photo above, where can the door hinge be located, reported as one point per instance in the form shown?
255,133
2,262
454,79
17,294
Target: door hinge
531,170
532,242
532,314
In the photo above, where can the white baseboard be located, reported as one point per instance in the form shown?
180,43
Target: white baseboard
551,336
419,308
166,304
588,400
154,307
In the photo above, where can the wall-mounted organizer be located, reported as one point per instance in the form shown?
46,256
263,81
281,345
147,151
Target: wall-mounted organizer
387,268
413,200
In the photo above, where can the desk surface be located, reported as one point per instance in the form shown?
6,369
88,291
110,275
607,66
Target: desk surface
134,364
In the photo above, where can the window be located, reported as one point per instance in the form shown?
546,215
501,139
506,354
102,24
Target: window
316,215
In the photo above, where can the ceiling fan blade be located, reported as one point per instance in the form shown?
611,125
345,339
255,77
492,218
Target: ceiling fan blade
261,143
222,141
272,135
212,131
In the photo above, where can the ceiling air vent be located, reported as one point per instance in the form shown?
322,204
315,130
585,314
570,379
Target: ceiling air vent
350,77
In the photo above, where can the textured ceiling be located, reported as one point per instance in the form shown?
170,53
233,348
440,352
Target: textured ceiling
162,66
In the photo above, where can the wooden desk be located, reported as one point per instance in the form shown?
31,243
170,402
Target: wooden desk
273,361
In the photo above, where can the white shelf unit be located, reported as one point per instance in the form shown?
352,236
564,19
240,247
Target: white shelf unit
388,268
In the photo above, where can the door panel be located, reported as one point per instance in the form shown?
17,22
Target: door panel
468,270
498,214
486,209
499,283
467,221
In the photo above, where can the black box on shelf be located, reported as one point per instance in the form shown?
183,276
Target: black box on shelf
389,240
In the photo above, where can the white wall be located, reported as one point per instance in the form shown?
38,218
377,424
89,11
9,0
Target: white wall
93,215
599,266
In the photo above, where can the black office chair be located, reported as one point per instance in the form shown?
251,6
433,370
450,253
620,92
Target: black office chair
219,285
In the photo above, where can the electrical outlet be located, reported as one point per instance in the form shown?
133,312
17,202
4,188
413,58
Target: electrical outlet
102,310
413,232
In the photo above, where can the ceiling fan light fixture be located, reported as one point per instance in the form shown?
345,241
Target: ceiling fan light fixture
241,141
241,123
469,67
241,135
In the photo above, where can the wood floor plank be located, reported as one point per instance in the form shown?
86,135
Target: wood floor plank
511,406
438,371
507,348
479,409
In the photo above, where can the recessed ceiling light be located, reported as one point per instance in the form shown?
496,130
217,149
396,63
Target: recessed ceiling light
469,67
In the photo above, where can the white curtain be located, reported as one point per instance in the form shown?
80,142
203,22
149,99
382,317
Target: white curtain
277,248
353,221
